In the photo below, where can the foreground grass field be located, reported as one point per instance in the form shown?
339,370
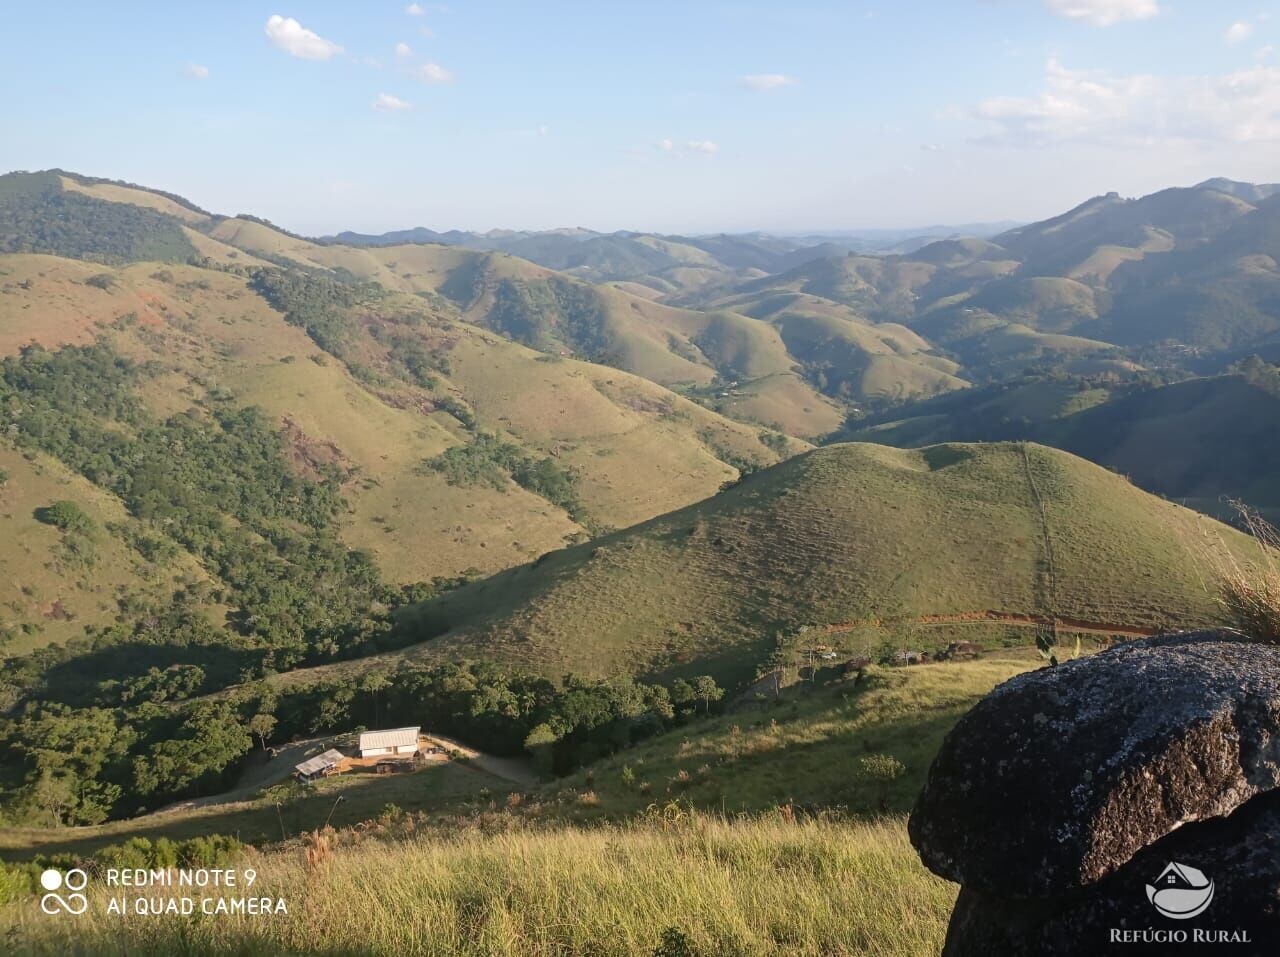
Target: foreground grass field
684,888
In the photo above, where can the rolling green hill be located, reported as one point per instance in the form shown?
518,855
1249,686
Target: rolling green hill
844,534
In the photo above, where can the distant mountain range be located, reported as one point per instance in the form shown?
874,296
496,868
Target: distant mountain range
785,337
850,240
672,263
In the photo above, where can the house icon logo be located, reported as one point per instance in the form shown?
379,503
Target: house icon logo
1180,892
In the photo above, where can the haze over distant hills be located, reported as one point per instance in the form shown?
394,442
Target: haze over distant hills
783,337
760,248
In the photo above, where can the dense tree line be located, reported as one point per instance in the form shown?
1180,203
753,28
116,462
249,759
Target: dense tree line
488,460
218,483
68,765
38,216
551,314
317,303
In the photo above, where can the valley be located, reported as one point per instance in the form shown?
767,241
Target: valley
676,524
666,480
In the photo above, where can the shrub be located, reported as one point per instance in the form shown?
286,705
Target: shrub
213,850
879,771
674,943
66,515
16,882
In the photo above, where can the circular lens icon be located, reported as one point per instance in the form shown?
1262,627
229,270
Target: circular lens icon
76,879
51,880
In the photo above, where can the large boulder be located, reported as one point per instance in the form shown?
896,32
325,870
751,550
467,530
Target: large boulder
1239,854
1059,777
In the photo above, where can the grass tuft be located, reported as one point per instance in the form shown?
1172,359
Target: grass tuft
1249,590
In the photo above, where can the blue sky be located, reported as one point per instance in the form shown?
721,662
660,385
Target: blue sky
692,116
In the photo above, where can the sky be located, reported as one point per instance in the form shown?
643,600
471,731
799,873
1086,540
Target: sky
680,117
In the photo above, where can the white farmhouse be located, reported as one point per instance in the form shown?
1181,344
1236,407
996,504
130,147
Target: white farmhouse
398,742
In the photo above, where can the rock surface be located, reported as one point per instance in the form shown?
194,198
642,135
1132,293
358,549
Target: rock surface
1240,854
1060,776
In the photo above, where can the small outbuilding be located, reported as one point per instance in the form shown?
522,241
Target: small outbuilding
321,766
398,742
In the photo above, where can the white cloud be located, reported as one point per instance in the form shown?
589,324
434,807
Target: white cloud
1264,53
403,49
930,147
196,70
386,103
665,144
293,38
1104,13
1238,32
705,147
414,10
434,73
761,82
1139,109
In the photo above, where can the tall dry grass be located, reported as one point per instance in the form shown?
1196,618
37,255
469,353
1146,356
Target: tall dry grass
678,886
1249,589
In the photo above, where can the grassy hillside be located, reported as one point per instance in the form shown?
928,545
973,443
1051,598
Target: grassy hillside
841,535
206,335
54,581
619,325
804,749
561,315
1158,222
1200,441
847,357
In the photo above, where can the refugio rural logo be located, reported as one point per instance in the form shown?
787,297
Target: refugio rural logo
1181,891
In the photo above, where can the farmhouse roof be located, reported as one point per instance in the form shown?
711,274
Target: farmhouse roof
395,738
329,759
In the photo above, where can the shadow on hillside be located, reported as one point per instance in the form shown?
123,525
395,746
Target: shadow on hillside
76,681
